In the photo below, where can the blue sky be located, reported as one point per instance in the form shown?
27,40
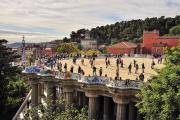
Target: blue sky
46,20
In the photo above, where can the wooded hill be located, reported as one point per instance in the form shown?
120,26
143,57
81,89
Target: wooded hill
128,30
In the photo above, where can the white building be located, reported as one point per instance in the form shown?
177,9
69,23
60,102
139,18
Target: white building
88,43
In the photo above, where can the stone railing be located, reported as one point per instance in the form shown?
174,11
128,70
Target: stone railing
20,113
95,80
121,84
124,84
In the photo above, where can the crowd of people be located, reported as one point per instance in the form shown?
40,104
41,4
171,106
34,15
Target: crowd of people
55,63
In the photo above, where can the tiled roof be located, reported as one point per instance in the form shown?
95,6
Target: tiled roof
124,45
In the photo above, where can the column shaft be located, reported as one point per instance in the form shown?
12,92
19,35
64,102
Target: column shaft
68,98
34,95
121,112
106,115
132,111
92,113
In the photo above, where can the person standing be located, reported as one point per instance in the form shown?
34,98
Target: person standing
143,67
65,67
136,68
79,69
117,62
71,70
134,63
122,63
82,61
106,64
117,72
129,68
100,71
141,77
94,70
109,62
152,64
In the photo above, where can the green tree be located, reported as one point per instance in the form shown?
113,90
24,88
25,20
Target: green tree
172,55
159,98
71,113
12,89
68,48
175,30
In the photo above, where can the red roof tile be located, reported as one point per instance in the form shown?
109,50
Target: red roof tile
124,45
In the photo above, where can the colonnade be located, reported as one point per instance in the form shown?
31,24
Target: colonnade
103,103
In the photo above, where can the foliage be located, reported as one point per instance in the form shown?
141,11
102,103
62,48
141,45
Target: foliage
175,30
67,48
12,88
159,98
172,55
70,113
127,30
91,52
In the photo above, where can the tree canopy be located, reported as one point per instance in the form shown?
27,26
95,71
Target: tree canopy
12,88
127,30
159,98
68,48
175,30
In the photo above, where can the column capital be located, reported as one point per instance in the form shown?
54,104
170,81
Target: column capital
91,94
68,89
121,99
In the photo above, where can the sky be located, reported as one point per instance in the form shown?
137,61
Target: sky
46,20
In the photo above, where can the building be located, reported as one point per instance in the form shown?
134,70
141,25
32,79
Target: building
88,43
155,44
152,44
122,48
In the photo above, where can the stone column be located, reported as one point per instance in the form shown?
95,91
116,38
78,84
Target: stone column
121,107
121,112
51,95
132,111
92,106
34,98
106,115
39,93
80,99
34,94
51,91
68,95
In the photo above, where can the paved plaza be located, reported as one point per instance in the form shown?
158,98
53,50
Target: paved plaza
111,70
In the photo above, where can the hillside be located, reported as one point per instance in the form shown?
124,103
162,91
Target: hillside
127,30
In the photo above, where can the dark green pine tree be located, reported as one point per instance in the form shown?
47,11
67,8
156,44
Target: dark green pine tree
7,72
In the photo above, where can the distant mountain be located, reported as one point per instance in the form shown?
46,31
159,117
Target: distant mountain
16,45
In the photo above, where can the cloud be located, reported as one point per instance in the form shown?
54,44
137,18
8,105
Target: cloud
60,17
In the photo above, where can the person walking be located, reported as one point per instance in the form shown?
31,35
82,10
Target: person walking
143,67
129,68
100,71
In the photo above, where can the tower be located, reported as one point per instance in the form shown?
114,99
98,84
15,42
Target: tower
23,52
87,35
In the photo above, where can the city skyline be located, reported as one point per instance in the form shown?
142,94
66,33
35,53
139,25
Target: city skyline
42,21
